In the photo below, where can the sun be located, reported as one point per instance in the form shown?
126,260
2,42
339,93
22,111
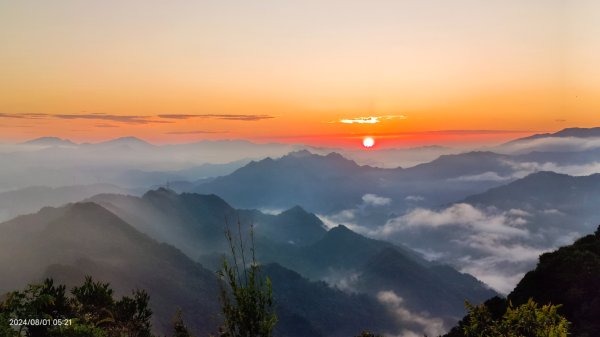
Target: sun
368,142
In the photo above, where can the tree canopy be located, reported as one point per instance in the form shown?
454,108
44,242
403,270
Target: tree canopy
90,310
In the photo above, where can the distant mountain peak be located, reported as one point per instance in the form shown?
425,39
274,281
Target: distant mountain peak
300,214
49,141
300,154
332,158
541,177
160,193
92,215
307,154
167,196
129,140
341,231
575,132
344,236
295,210
335,155
85,207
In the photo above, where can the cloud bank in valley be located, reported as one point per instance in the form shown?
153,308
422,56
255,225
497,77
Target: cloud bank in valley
422,322
352,217
496,246
550,144
523,169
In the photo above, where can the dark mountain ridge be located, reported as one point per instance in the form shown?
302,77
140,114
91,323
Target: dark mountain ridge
349,260
551,199
294,239
331,183
195,223
86,239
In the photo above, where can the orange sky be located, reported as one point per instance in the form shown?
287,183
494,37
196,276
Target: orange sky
290,71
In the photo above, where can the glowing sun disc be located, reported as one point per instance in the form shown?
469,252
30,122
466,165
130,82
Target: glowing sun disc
368,142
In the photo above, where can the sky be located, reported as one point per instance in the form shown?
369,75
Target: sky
316,72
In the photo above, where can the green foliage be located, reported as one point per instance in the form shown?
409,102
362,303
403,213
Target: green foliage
37,301
569,276
91,311
132,315
179,328
5,329
93,302
77,330
526,320
247,300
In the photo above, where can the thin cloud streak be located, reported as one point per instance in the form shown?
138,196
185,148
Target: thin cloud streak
236,117
400,134
23,115
128,119
137,119
370,119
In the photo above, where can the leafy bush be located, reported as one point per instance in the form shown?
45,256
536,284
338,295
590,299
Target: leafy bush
247,299
90,311
527,320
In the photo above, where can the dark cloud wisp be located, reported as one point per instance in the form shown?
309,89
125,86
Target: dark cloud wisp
236,117
138,119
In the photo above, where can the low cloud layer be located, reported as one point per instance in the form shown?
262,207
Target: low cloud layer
371,204
495,246
460,215
550,144
419,323
524,168
486,176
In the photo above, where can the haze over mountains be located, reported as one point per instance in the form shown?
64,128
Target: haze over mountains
87,239
295,239
497,235
31,199
370,241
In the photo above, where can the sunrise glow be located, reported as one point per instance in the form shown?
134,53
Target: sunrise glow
368,142
407,72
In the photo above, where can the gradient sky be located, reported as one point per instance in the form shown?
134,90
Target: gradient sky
277,70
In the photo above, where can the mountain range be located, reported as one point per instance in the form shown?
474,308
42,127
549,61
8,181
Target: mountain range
348,246
92,238
294,239
31,199
497,235
331,183
86,239
564,133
